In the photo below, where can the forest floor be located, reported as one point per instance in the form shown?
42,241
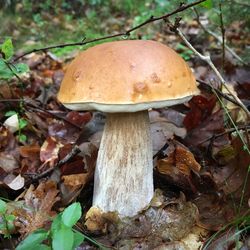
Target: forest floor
201,148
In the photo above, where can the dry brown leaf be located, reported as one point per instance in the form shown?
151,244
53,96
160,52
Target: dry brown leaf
163,130
75,180
177,167
236,113
31,151
165,220
8,162
36,211
49,151
82,169
97,220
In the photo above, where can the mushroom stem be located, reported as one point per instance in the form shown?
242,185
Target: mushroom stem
124,169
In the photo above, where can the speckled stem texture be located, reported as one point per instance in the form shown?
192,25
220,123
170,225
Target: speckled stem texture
124,170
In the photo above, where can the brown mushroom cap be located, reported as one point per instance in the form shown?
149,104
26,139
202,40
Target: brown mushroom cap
127,76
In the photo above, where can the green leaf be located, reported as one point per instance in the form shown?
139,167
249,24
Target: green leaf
63,239
3,207
10,113
42,247
21,68
2,225
5,72
72,214
22,123
78,239
56,224
207,4
9,225
10,217
22,138
7,49
33,240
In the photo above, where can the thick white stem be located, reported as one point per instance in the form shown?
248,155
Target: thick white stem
124,169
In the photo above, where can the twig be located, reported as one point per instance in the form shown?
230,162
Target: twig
8,64
223,36
37,108
164,147
125,33
209,88
75,150
218,38
228,131
208,60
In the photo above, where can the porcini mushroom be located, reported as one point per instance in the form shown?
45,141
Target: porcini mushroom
125,79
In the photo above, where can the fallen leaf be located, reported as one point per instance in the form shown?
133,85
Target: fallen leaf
79,118
201,107
30,161
162,130
231,176
177,167
214,211
12,123
30,151
75,180
14,182
77,173
49,151
170,221
238,115
202,135
8,162
36,210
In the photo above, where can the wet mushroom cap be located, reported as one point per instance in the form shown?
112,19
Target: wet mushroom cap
127,76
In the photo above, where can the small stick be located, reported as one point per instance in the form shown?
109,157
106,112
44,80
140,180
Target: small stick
208,60
228,131
125,33
209,88
223,36
75,150
218,38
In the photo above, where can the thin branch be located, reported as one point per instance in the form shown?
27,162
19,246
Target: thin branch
208,60
218,38
125,33
75,150
32,107
227,131
162,149
223,36
209,88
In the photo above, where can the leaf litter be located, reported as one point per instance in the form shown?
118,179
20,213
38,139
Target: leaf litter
201,175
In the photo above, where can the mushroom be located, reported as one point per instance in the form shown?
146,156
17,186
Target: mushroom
124,79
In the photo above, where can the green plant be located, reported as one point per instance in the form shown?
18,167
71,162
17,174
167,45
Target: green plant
185,52
22,123
61,234
8,69
6,220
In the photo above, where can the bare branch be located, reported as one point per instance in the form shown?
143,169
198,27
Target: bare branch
223,36
208,60
75,150
125,33
218,38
